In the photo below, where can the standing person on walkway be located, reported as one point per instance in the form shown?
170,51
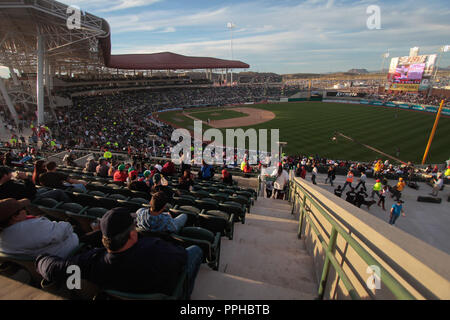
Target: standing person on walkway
376,188
303,173
362,182
396,210
397,190
348,181
314,174
281,182
383,194
331,174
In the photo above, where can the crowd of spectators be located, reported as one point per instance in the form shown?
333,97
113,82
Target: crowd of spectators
411,98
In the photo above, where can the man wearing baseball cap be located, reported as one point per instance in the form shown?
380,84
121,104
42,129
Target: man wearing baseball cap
159,186
28,235
127,263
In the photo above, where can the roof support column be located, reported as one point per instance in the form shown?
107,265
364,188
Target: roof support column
13,76
8,101
40,80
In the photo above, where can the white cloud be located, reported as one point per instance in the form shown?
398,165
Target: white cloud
110,5
314,33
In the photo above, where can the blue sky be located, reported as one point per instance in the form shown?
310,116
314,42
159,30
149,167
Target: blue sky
283,36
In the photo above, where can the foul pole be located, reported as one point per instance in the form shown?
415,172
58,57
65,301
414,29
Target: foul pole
438,116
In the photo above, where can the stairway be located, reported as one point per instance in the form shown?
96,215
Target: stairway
264,261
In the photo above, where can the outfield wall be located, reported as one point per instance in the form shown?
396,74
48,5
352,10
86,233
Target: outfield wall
395,104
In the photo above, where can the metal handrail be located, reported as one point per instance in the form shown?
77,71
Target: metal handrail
397,289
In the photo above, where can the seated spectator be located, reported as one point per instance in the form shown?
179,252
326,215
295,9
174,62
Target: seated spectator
90,165
168,169
39,168
30,235
102,169
12,189
156,219
147,178
186,181
69,159
247,168
206,171
131,173
161,185
135,184
53,179
227,178
121,174
127,263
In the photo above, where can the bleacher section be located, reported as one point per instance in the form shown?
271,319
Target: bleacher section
212,209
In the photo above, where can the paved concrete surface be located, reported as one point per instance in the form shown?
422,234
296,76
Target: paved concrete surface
14,290
429,222
264,261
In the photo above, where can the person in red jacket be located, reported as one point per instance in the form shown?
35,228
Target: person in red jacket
168,169
303,173
121,174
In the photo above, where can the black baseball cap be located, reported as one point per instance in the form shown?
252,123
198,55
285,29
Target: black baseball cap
116,221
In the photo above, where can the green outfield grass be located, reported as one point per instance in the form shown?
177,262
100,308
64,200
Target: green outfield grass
217,114
308,127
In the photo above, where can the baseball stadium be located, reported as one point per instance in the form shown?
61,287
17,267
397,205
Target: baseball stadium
349,201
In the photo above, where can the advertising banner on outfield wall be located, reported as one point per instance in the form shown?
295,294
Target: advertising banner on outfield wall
346,94
418,108
425,108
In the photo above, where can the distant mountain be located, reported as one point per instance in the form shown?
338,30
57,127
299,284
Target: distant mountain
358,71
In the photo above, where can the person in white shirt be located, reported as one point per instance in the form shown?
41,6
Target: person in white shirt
437,186
314,174
22,234
282,179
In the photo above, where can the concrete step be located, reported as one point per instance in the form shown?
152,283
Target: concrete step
273,212
214,285
291,269
273,223
268,238
273,203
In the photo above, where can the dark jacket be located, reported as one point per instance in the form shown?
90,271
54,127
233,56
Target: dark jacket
150,266
12,189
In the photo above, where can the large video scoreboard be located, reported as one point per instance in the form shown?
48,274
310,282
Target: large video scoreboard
411,73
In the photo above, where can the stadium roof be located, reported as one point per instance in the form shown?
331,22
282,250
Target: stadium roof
78,49
170,61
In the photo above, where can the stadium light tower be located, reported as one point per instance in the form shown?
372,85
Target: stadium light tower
384,56
441,51
231,25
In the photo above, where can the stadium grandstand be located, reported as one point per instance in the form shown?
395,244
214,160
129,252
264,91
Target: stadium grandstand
88,179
